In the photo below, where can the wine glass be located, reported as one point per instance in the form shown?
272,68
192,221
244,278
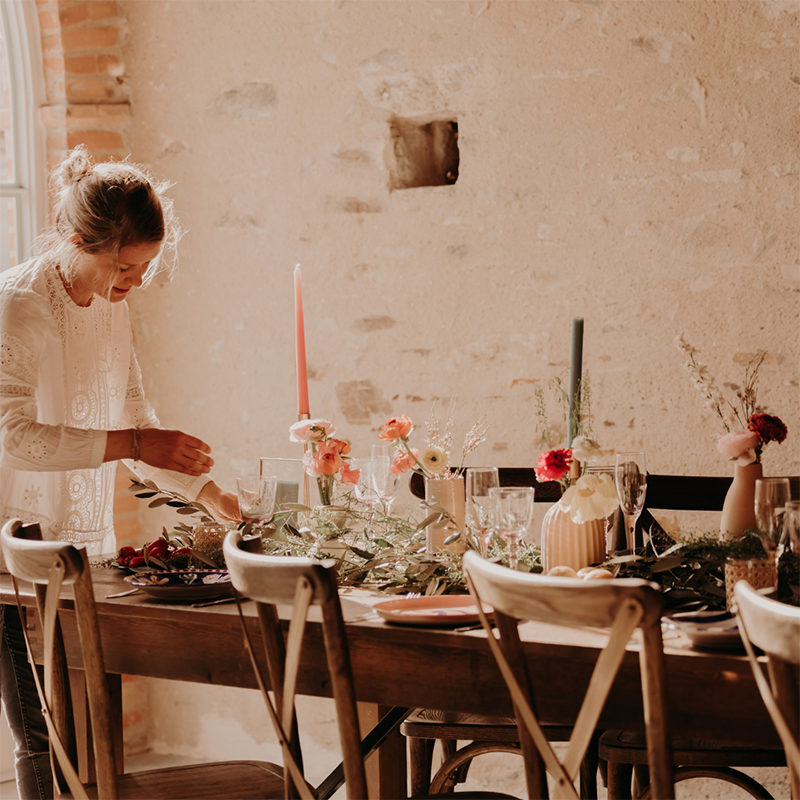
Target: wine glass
383,480
772,495
511,511
631,478
479,481
791,528
257,497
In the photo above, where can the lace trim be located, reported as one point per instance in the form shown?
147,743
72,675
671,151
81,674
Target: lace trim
16,359
12,390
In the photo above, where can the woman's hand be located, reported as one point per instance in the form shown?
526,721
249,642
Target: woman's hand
224,505
173,450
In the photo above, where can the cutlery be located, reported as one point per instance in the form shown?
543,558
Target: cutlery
214,602
121,594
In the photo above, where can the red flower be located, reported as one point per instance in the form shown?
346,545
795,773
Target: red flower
768,428
553,465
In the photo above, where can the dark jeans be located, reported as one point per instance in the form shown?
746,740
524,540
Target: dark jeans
23,711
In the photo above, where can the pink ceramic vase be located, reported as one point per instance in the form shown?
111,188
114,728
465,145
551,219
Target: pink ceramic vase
570,544
738,511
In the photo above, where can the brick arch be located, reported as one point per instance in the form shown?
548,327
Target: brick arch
86,100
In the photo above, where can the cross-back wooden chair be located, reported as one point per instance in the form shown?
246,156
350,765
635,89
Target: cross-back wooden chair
51,566
775,628
621,606
303,583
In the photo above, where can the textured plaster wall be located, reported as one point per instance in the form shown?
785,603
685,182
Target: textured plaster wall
635,163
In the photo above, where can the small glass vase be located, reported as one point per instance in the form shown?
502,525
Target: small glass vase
566,543
449,494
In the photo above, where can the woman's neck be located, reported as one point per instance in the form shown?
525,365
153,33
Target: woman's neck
80,296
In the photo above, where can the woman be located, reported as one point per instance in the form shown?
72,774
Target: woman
71,397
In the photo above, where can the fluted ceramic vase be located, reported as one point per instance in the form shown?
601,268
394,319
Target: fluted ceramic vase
449,494
571,544
738,510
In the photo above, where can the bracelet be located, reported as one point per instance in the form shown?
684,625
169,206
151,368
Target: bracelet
135,445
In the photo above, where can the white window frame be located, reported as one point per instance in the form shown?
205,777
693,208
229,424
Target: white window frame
29,187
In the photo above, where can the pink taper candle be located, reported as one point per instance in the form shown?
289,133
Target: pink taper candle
300,340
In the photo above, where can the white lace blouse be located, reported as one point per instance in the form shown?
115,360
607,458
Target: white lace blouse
68,374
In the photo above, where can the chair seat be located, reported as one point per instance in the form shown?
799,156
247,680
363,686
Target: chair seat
245,780
429,723
627,747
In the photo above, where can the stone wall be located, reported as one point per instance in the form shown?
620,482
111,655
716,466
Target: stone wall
632,163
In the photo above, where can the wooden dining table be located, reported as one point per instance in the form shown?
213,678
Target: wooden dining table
712,694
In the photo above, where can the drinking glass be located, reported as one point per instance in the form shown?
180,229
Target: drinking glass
631,478
604,470
363,489
257,497
511,511
383,480
772,495
479,481
791,528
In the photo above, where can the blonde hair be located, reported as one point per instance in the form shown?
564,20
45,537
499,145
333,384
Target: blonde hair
108,206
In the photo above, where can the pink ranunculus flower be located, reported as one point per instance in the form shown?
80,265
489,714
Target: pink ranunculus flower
327,457
311,430
739,444
403,461
338,446
396,428
349,476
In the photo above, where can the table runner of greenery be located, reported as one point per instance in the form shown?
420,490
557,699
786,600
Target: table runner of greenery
389,552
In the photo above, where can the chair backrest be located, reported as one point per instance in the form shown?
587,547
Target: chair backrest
775,628
301,583
49,566
619,605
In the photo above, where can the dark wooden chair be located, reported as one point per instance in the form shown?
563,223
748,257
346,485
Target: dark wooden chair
775,628
49,566
621,607
303,583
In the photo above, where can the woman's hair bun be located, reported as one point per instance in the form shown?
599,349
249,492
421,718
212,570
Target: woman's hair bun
75,166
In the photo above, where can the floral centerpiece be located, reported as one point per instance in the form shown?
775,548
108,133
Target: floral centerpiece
747,429
325,457
585,496
434,462
573,530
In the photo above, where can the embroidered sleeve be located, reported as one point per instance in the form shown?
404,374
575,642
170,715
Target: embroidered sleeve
26,443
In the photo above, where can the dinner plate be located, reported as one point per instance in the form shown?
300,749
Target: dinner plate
450,609
707,629
182,586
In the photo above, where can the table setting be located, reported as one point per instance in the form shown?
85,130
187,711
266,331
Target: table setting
330,502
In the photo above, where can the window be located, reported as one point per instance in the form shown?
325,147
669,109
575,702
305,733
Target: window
20,197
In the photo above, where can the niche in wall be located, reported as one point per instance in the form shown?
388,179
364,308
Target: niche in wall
423,153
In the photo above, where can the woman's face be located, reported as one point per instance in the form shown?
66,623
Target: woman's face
98,273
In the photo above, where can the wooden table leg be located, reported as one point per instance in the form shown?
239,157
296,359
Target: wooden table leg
387,770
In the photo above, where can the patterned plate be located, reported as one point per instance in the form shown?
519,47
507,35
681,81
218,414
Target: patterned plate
184,586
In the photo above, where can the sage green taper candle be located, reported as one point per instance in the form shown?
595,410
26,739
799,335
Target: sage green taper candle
575,372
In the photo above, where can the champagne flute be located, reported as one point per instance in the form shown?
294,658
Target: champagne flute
631,478
772,495
256,497
479,481
363,489
511,512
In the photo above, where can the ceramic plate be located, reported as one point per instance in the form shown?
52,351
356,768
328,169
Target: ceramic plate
185,586
714,629
451,609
